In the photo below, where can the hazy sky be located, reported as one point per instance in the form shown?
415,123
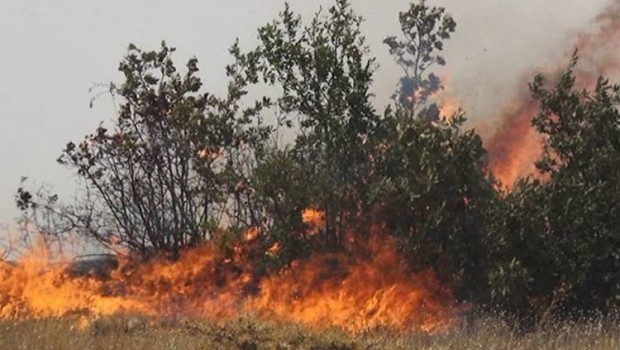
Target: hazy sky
52,51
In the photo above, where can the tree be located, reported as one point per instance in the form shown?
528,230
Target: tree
582,161
162,178
561,243
436,198
433,191
424,29
325,74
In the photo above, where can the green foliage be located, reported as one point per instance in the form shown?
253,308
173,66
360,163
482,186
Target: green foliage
163,176
436,198
325,76
284,188
523,263
560,237
432,192
583,163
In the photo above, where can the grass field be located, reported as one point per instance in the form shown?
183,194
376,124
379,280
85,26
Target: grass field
246,333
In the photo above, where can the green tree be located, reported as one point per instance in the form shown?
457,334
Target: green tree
582,161
164,175
560,236
325,74
433,193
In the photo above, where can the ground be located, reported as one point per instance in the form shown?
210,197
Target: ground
128,333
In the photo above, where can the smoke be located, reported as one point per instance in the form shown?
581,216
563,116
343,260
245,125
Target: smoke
599,49
514,145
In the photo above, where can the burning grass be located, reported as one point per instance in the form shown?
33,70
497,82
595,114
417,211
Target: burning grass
367,288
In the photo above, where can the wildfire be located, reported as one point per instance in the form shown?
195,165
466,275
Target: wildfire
364,288
367,287
314,219
252,234
515,146
446,101
376,291
448,105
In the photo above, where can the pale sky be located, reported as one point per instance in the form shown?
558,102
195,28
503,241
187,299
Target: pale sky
52,51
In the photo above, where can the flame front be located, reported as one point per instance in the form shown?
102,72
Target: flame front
355,291
377,291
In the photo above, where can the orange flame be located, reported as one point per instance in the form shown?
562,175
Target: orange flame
252,234
449,105
446,101
274,249
377,291
355,291
515,146
314,219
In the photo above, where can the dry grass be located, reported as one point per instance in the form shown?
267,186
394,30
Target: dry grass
137,333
